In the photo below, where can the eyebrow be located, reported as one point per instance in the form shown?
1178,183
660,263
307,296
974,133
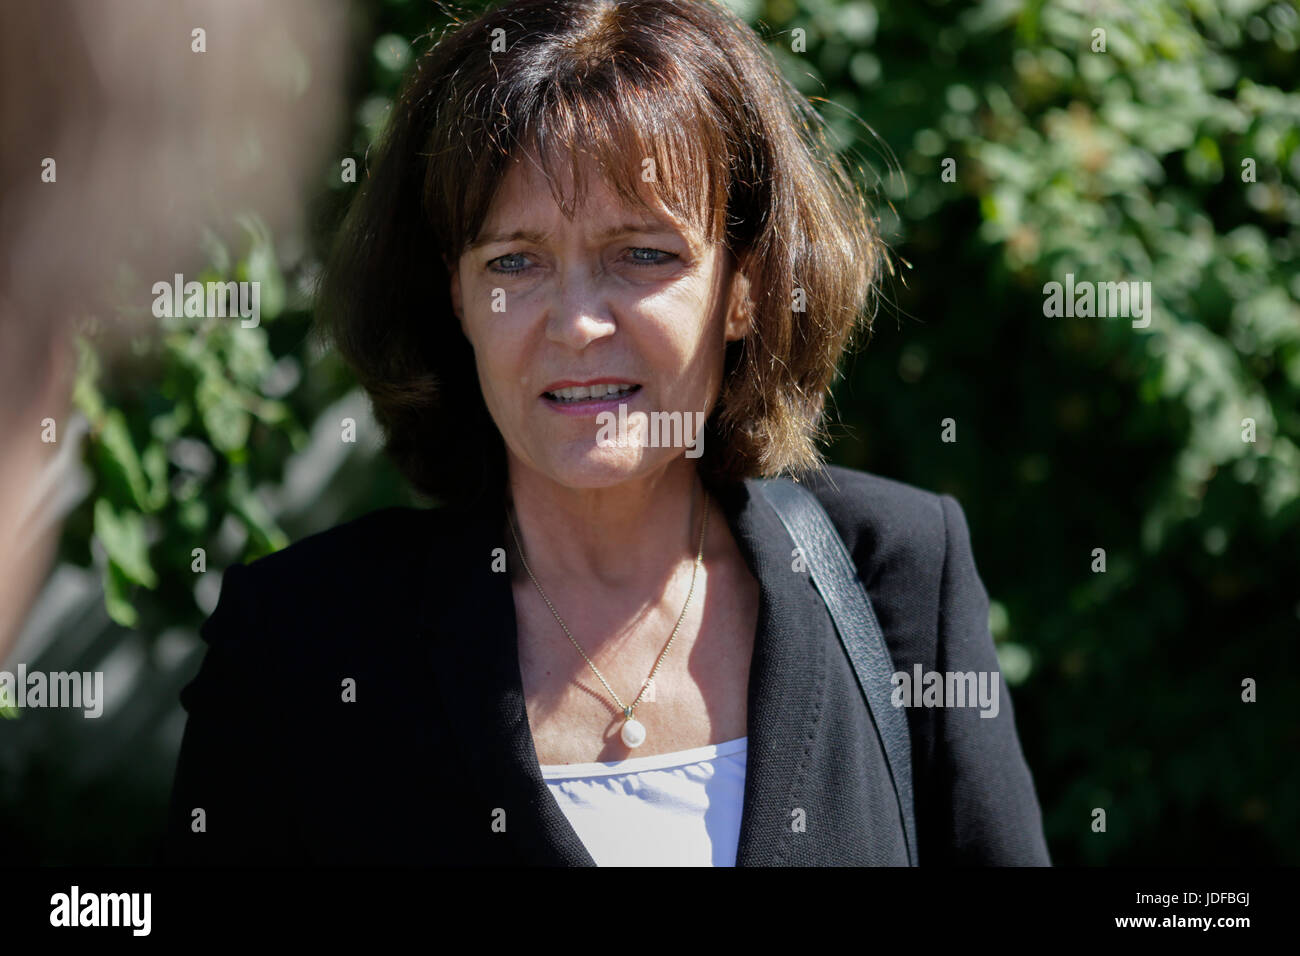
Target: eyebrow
533,235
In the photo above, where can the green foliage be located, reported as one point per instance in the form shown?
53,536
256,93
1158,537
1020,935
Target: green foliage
1084,433
183,435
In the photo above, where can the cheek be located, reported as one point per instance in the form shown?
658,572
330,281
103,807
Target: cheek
501,358
676,321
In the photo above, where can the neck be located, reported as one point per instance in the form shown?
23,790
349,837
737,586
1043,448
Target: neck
630,536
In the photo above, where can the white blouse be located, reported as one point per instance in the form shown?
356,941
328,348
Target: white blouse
674,809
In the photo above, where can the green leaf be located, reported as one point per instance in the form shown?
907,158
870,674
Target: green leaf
266,534
85,393
248,356
123,537
262,267
226,420
193,516
121,468
116,596
155,469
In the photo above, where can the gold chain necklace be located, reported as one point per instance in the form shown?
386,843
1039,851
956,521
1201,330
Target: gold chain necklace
633,732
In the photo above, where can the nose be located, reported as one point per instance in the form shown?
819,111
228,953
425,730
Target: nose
579,312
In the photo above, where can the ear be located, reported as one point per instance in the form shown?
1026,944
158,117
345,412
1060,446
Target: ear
740,308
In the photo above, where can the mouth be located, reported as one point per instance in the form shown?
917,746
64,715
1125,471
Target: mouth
591,394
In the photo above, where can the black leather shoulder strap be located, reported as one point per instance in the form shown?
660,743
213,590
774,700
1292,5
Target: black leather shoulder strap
837,581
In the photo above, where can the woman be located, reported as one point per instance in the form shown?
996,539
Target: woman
594,227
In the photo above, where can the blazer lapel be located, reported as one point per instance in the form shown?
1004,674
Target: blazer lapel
469,620
786,684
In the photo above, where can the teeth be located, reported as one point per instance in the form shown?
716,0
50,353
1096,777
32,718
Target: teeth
589,392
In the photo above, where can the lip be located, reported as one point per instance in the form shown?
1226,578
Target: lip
588,407
574,383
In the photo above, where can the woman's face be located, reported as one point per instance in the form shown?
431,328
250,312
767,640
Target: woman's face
617,298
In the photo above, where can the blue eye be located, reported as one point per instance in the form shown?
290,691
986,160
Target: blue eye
512,255
653,262
494,266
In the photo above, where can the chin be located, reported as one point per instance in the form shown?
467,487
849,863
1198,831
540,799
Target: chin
600,467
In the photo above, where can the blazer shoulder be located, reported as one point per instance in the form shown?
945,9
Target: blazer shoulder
369,568
369,545
886,524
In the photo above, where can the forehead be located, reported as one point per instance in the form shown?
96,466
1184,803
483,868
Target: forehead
525,193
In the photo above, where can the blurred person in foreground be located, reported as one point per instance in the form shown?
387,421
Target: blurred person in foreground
118,120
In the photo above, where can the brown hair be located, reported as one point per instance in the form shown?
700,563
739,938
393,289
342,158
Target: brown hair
738,152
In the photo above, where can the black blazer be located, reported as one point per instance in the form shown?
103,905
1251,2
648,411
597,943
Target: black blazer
436,745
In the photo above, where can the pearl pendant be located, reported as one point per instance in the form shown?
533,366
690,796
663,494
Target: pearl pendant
633,733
